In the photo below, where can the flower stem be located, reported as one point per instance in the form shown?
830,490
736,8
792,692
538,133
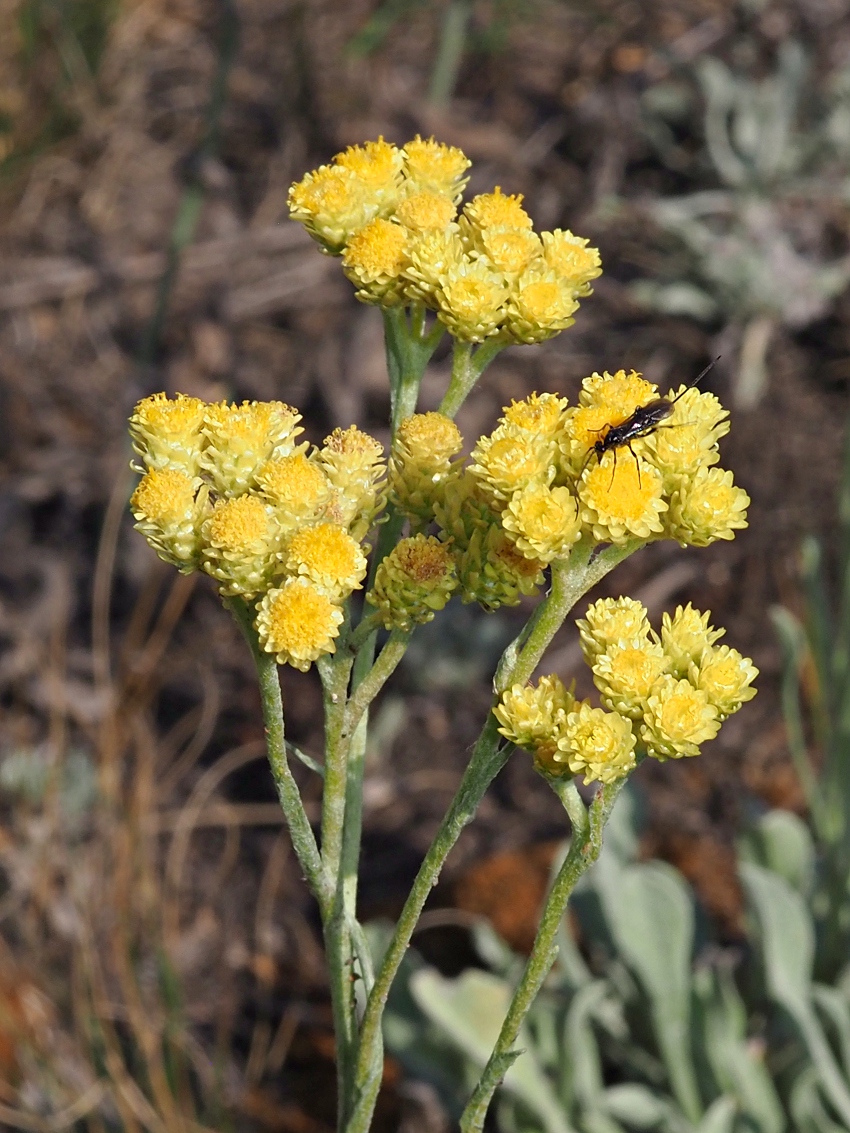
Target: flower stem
570,580
468,365
585,846
300,831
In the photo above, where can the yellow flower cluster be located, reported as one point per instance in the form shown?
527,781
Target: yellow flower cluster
662,696
535,486
228,490
392,214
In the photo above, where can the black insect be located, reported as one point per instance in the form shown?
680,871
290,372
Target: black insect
644,421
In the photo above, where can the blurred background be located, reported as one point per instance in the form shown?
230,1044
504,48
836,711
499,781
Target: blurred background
160,965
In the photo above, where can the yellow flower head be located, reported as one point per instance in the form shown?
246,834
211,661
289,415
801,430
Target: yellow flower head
597,743
612,621
295,486
298,623
166,432
415,580
425,211
618,502
688,438
433,166
432,255
462,510
470,300
626,673
726,678
332,203
421,462
329,557
378,168
492,571
374,261
686,636
541,304
621,392
507,250
539,414
572,259
352,461
678,718
532,717
242,437
241,540
605,400
169,515
542,522
510,459
495,210
706,507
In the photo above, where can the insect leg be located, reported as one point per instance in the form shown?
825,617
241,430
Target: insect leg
613,469
637,463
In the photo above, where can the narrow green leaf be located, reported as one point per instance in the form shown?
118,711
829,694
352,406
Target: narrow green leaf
787,942
719,1117
780,841
637,1107
650,913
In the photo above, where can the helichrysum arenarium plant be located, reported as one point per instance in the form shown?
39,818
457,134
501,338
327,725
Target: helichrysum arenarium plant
282,528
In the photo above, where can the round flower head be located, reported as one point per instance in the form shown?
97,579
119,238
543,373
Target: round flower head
618,501
511,459
462,510
726,678
470,300
605,401
426,211
298,623
436,167
241,539
686,636
169,515
378,168
540,305
242,437
678,718
572,259
166,432
352,461
599,744
329,557
332,203
706,507
539,414
374,260
492,571
505,249
542,522
612,621
626,673
421,462
295,486
495,210
532,716
415,580
432,256
688,438
621,392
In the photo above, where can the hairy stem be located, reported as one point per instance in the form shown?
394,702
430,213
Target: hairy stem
468,364
300,831
570,580
585,847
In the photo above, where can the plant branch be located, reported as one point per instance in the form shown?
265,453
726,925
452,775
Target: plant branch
585,846
300,831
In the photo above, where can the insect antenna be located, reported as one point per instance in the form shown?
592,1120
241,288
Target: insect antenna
698,378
